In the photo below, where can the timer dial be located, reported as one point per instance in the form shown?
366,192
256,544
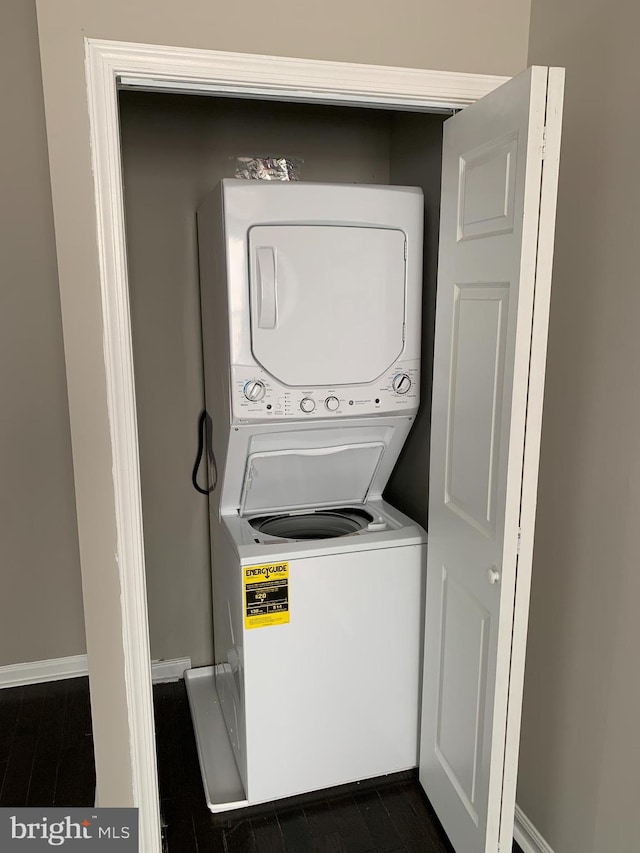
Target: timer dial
254,390
332,403
307,405
401,383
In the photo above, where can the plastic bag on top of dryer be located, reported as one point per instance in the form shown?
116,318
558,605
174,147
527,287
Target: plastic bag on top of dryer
268,168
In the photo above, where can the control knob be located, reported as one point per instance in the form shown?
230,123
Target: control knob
401,383
307,405
254,390
332,403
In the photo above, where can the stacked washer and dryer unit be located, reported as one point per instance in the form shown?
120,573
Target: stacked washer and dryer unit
311,304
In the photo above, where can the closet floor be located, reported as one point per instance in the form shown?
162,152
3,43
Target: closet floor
46,759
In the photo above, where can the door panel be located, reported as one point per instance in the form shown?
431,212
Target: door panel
464,629
492,168
475,402
487,189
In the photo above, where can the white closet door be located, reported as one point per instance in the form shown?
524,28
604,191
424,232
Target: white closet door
490,227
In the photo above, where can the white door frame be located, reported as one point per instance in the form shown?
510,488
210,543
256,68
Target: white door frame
111,65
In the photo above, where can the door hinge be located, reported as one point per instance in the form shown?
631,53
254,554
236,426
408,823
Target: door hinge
519,540
544,142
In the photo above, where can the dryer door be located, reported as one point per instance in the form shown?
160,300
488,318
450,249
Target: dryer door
327,302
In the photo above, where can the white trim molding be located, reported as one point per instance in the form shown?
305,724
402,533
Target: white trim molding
527,836
112,65
39,671
57,669
102,97
174,669
245,75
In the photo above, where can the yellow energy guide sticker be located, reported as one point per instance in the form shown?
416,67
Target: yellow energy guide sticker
266,595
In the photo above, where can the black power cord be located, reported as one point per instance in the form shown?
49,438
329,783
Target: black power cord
204,439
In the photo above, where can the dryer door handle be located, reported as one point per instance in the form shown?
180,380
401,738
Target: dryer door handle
267,287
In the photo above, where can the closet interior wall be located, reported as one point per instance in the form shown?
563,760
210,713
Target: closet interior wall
175,150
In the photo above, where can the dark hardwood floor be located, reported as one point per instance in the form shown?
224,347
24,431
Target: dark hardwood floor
46,758
46,745
384,816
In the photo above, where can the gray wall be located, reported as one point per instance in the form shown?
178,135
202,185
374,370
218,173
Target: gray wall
41,604
416,160
580,750
461,35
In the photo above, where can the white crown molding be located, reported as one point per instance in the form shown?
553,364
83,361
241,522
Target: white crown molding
527,836
287,78
57,669
110,65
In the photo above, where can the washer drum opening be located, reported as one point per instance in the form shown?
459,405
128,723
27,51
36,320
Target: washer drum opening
322,524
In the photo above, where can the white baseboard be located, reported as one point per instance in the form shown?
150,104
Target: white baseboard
527,836
39,671
169,670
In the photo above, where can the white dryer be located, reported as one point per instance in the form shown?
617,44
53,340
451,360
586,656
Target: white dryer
311,304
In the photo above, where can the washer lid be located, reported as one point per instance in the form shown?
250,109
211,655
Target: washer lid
310,477
327,302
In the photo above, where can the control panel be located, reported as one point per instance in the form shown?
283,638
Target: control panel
255,395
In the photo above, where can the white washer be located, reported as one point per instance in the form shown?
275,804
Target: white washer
331,695
311,307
